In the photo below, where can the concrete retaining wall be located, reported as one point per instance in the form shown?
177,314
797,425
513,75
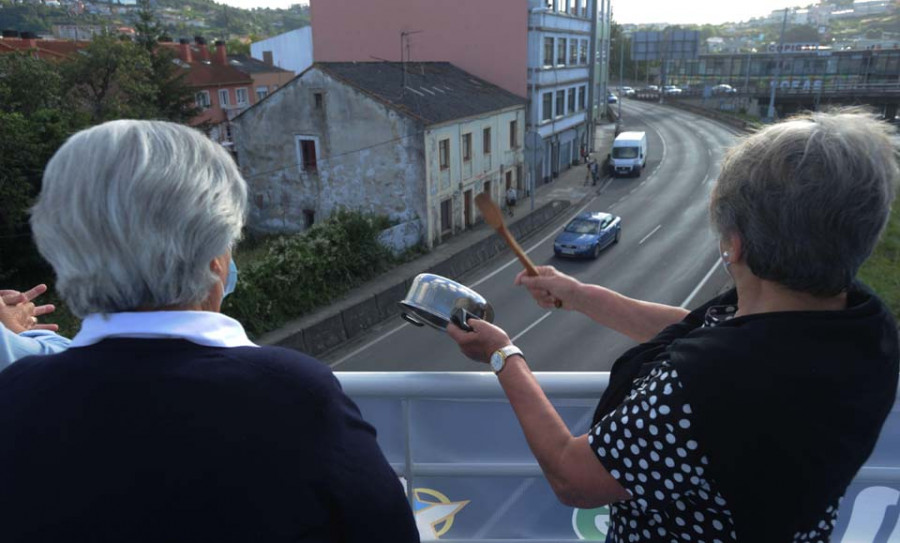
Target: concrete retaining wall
714,114
332,330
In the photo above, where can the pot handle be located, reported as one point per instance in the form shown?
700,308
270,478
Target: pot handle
411,320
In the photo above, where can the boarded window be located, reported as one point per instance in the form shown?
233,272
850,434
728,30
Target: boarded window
307,154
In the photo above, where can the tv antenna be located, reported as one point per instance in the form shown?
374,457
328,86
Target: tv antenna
404,44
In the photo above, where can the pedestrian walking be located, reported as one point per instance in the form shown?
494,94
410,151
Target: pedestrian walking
510,200
595,171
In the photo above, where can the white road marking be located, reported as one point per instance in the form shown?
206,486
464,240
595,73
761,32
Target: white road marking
369,344
650,234
696,290
530,326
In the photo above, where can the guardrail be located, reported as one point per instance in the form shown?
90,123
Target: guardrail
832,89
470,476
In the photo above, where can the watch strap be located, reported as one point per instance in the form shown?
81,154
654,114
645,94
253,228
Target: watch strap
501,355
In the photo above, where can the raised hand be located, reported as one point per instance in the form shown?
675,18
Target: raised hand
19,313
551,286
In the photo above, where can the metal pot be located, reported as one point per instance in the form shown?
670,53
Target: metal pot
432,300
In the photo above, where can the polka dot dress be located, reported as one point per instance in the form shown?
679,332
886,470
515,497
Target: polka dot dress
648,445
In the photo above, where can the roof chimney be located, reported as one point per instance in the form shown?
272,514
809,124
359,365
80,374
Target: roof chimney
201,45
184,50
30,39
221,53
267,58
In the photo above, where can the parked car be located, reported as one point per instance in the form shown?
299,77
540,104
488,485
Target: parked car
627,92
612,98
671,90
588,234
652,88
724,89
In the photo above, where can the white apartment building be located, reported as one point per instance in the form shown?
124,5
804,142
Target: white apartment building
559,79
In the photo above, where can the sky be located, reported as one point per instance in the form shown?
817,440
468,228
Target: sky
635,11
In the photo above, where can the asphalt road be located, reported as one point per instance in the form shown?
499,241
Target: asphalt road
667,253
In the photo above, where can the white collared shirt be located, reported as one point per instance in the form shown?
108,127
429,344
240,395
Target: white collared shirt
201,327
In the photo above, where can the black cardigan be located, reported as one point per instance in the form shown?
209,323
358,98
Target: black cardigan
787,405
152,440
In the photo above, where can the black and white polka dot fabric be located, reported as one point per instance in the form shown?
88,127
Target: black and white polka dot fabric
648,445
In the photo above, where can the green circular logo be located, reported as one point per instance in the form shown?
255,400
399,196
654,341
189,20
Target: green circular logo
591,524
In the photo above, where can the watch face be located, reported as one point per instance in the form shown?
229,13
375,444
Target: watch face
496,361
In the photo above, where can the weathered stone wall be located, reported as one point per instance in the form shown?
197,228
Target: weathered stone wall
369,157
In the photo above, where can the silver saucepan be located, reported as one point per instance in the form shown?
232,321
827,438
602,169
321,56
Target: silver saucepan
434,300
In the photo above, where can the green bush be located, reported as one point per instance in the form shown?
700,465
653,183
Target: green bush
882,270
293,275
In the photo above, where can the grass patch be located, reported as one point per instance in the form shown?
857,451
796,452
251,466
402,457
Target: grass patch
882,270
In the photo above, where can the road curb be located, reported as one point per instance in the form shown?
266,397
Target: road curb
320,333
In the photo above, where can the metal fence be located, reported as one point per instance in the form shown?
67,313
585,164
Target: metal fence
469,475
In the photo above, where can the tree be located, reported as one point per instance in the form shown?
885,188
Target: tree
111,79
147,27
237,47
33,124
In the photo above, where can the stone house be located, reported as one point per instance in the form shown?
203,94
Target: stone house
413,141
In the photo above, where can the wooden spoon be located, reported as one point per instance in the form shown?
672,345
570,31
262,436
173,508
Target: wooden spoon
494,217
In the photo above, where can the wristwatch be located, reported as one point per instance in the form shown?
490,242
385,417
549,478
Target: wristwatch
498,359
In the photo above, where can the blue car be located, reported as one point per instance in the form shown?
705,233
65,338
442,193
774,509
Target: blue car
588,234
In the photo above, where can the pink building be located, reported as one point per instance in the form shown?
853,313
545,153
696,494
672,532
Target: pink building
486,38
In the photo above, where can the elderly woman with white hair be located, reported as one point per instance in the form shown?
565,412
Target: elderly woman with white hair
163,421
746,419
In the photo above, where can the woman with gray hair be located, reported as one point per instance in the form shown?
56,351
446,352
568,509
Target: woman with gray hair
746,419
163,421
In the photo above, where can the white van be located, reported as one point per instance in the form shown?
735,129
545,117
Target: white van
629,154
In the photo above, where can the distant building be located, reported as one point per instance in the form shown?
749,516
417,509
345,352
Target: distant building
291,51
266,78
537,49
870,7
414,141
221,91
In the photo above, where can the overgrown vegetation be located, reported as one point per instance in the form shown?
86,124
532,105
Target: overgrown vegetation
183,18
882,270
292,275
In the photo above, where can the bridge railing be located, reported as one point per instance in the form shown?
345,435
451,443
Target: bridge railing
814,88
470,476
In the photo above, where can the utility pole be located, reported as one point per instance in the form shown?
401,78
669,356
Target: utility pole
592,73
771,112
621,71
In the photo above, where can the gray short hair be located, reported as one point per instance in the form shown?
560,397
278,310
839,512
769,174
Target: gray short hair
809,198
132,212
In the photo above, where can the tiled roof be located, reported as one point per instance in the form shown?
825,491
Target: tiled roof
45,49
434,92
250,65
201,74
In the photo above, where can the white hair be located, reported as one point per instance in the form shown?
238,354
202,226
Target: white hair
809,198
131,213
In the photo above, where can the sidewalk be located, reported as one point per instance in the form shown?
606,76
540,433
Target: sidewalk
367,305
